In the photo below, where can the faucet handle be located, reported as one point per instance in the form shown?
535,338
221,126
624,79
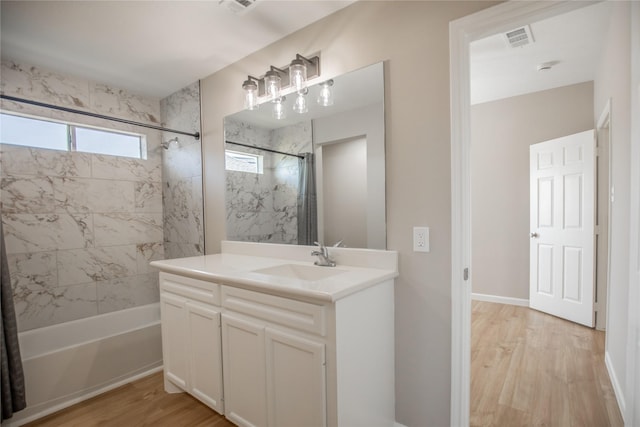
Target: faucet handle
339,244
323,249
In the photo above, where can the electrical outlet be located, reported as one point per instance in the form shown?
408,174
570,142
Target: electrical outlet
421,239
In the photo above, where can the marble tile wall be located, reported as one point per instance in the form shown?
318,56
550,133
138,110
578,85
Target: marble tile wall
263,207
182,175
80,229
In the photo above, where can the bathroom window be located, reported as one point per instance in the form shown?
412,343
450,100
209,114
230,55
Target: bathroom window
243,162
53,135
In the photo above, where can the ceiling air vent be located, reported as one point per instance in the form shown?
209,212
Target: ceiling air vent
238,7
519,37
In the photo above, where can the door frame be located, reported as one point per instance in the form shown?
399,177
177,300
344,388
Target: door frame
462,32
604,122
632,415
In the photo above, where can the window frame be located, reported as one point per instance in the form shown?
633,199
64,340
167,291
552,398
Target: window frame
71,135
259,161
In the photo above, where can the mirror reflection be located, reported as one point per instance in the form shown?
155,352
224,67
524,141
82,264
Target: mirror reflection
315,175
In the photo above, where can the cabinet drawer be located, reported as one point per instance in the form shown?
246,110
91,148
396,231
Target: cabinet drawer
199,290
295,314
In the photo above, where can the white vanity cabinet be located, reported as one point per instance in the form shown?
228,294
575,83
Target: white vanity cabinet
265,348
274,373
191,341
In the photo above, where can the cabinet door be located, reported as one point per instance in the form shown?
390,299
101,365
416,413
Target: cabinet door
205,355
295,380
174,339
243,355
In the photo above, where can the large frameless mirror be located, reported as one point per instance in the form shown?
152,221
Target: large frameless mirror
299,170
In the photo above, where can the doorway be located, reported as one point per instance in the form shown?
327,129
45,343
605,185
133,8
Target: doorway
500,18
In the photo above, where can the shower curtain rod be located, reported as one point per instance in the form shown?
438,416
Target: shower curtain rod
196,135
265,149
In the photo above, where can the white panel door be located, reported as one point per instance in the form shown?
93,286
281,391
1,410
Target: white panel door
295,381
243,365
562,184
205,355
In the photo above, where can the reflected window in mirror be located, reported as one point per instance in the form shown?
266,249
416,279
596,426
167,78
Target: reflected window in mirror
243,162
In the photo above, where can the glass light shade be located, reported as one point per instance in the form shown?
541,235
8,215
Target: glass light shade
279,112
325,97
300,105
298,74
250,94
272,83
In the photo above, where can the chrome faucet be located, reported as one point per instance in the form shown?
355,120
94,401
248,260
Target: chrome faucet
324,259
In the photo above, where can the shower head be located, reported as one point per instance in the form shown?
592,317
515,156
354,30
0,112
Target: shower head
168,143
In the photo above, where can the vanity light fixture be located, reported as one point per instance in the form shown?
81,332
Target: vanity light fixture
325,97
279,112
269,86
250,87
298,70
298,74
300,105
273,83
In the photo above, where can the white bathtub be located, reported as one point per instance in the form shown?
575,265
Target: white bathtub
70,362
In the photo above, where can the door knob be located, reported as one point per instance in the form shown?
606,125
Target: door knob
534,235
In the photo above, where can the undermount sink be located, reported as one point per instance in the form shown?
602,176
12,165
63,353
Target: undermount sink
302,272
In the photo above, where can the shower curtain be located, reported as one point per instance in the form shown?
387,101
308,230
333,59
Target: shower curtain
307,204
11,375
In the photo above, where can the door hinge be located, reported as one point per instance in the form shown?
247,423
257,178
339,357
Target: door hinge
465,274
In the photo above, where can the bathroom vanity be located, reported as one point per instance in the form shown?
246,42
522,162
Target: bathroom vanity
260,334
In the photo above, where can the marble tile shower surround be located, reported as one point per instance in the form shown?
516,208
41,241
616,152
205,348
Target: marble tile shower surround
80,228
263,207
182,176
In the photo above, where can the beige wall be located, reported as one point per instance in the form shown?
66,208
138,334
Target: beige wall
501,133
613,80
367,122
345,195
412,38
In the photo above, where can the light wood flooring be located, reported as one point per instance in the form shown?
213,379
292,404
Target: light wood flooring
140,403
532,369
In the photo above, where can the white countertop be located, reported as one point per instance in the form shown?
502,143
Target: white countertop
238,270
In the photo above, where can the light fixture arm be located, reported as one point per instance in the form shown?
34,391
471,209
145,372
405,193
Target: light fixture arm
285,80
313,67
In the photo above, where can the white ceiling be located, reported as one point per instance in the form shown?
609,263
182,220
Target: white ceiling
573,40
157,47
149,47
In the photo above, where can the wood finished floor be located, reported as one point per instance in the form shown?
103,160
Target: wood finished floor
532,369
140,403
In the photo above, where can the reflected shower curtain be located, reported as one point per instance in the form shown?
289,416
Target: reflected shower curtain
307,203
11,375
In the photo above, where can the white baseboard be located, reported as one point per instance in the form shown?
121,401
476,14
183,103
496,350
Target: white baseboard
17,421
617,389
500,300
